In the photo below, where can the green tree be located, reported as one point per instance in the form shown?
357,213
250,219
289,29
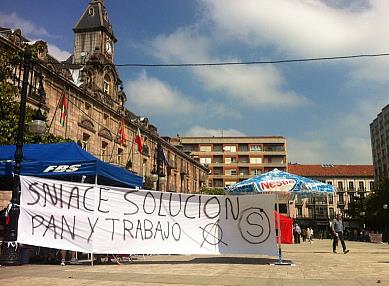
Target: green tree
9,107
212,191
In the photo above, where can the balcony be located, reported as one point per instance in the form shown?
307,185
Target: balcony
341,204
361,190
340,190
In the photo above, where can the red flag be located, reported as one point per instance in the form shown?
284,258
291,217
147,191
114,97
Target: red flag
122,132
138,140
64,110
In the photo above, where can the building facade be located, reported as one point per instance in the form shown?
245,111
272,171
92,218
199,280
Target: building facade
89,85
352,184
379,134
233,159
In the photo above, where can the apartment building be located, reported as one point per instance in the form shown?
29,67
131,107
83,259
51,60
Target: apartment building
233,159
379,133
352,184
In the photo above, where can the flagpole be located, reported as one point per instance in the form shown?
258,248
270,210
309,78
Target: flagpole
67,109
279,231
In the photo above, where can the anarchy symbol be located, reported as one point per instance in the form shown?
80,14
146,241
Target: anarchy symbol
212,234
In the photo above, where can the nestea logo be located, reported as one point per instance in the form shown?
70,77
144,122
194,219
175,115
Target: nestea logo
282,185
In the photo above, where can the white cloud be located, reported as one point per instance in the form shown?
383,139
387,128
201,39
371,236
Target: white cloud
308,151
307,28
149,95
302,27
202,131
250,85
28,28
57,53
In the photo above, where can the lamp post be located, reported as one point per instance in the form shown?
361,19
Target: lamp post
157,175
9,248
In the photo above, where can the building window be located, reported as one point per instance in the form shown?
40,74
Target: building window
256,172
106,120
351,186
329,183
107,84
361,186
255,160
120,156
299,211
371,186
255,148
230,172
229,160
104,150
340,186
330,199
332,213
85,139
91,11
341,199
228,183
205,160
206,148
229,148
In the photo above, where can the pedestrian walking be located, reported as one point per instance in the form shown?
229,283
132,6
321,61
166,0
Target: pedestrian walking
337,232
304,234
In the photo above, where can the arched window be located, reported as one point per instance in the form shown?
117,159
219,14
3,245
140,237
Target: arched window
107,84
84,142
91,11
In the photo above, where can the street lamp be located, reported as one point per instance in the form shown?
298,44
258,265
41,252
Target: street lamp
9,247
157,174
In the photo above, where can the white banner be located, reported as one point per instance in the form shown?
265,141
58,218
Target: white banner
101,219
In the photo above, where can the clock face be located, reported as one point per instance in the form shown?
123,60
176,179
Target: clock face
108,47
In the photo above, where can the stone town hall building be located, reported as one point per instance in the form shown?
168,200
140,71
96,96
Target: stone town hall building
96,100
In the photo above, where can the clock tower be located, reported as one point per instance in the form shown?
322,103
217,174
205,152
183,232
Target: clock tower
93,34
94,55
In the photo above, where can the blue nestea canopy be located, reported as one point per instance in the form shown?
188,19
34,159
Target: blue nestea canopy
66,161
279,181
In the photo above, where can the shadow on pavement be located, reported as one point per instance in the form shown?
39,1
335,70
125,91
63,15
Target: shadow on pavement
217,260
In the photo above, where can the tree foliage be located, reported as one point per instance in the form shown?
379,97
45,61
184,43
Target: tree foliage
212,191
9,106
376,216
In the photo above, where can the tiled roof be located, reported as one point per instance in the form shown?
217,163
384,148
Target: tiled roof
332,170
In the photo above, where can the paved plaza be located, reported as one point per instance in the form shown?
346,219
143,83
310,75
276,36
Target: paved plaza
314,264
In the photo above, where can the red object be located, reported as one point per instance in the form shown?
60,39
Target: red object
64,110
286,228
122,132
138,140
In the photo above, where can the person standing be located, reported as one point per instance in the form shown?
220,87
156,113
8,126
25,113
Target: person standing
309,235
337,231
297,233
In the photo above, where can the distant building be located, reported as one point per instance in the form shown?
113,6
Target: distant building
233,159
379,133
352,184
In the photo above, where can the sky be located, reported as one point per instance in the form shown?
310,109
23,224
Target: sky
322,108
